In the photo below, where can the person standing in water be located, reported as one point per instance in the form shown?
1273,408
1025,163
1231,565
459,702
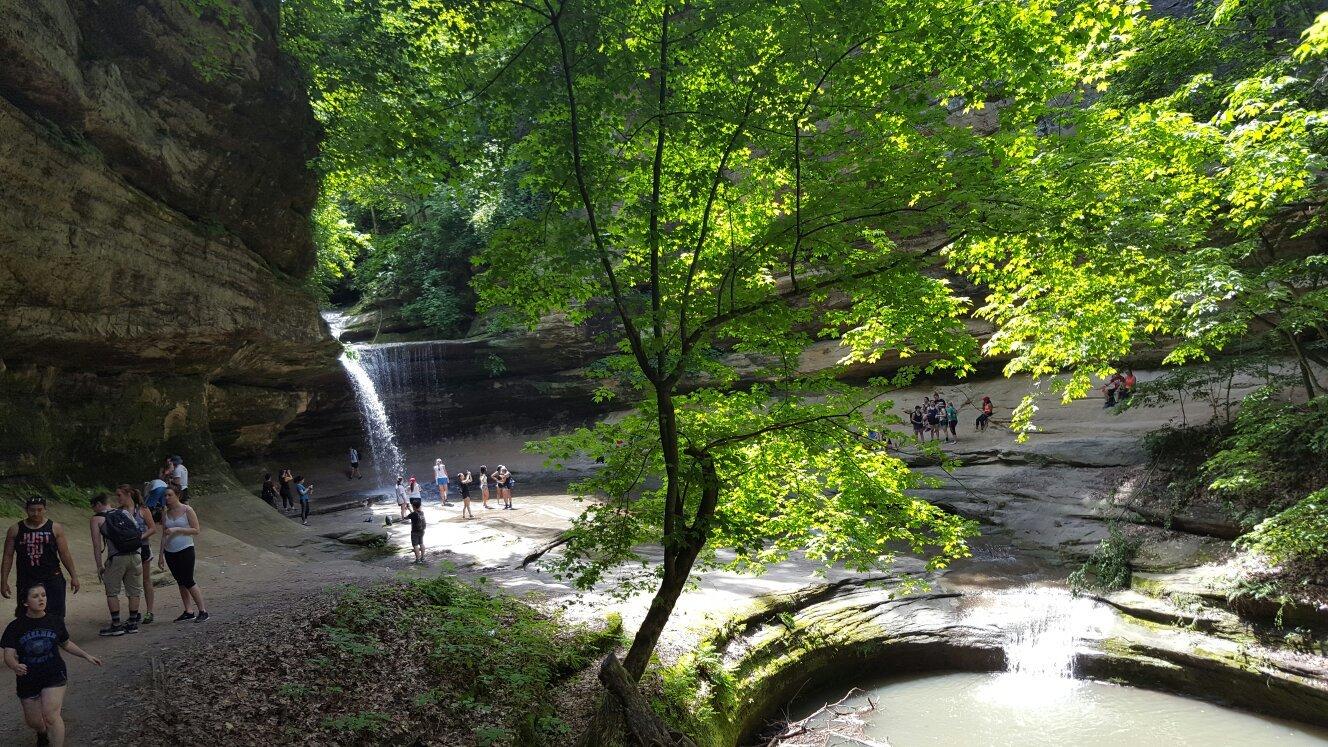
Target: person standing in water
179,527
31,644
463,484
40,546
440,478
354,471
417,530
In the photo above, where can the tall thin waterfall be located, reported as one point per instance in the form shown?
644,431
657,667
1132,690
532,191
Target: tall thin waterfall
388,461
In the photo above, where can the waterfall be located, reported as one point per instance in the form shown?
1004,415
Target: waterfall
1041,628
388,461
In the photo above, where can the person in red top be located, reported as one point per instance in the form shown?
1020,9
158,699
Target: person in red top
1129,384
985,415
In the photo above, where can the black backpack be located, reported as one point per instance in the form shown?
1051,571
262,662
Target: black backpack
122,532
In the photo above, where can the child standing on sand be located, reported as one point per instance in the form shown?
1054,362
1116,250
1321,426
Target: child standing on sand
417,530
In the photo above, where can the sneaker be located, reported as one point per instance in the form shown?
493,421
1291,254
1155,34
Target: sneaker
131,627
202,617
185,617
305,523
111,630
148,617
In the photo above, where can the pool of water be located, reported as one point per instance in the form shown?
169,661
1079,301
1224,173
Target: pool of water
1009,709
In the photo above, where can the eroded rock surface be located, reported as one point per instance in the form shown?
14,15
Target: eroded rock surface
154,203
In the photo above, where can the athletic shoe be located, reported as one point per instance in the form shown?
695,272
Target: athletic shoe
111,630
148,617
202,617
305,523
185,617
131,627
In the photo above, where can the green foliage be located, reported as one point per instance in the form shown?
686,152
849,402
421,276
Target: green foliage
1277,450
338,245
1108,568
1169,206
357,723
484,649
1300,533
693,690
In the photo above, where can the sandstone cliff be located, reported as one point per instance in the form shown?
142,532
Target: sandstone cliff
154,203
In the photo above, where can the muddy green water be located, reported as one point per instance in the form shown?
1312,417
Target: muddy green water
991,710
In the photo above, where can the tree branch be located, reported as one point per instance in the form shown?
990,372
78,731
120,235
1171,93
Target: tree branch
578,169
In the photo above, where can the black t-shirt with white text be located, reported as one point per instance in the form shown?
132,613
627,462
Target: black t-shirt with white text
37,641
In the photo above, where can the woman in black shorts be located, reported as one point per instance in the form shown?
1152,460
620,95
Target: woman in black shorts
31,646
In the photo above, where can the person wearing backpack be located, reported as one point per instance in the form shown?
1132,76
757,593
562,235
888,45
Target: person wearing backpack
115,530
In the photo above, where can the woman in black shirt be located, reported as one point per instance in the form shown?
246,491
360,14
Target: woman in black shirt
32,644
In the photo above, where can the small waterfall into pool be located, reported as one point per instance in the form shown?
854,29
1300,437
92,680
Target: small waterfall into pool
1042,628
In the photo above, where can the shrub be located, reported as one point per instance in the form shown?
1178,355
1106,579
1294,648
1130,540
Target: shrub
1108,568
1299,533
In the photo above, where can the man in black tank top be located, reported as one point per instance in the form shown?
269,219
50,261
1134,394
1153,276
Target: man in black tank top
40,546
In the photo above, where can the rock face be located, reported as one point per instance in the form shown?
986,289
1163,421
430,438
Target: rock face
154,233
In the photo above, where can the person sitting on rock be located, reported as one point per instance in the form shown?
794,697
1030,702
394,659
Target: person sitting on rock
985,416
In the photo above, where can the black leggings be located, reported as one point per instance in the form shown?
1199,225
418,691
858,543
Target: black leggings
182,566
304,510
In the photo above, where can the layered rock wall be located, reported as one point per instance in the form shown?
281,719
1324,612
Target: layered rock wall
154,235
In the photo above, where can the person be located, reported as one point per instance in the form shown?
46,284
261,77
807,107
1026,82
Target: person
505,483
1127,390
952,415
303,492
181,474
413,490
417,530
403,504
40,546
268,492
985,416
31,644
933,422
115,531
915,418
463,484
154,492
440,478
484,486
354,471
179,527
287,480
147,525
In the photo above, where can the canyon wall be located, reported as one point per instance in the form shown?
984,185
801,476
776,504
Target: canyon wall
155,194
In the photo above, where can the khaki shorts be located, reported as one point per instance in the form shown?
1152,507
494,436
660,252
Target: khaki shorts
126,571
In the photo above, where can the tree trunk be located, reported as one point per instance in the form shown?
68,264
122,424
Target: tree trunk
643,723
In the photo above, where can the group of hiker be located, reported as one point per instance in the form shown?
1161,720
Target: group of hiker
936,418
290,488
122,527
410,497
